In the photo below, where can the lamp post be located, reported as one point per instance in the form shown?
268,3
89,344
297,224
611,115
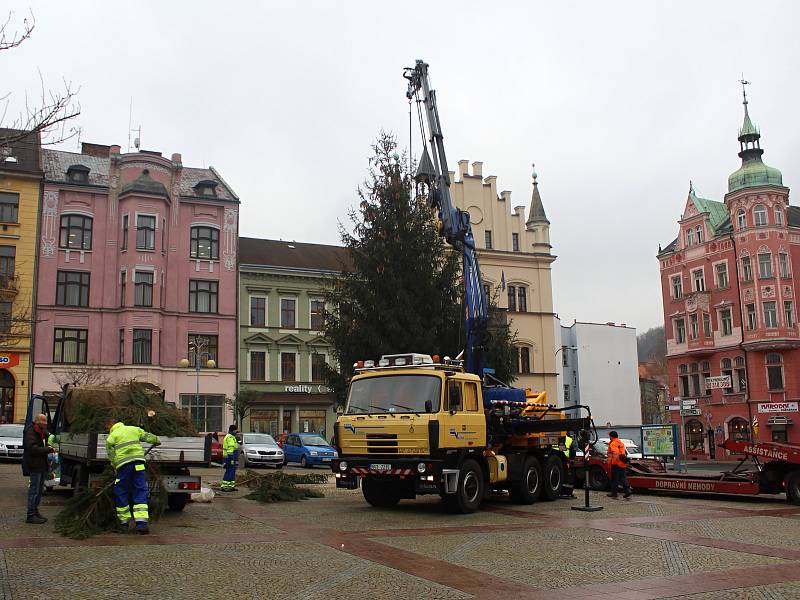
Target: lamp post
198,346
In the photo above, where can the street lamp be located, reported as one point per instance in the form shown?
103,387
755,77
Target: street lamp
198,346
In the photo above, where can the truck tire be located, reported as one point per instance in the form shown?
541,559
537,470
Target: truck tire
553,477
380,494
177,502
471,486
793,487
598,480
529,488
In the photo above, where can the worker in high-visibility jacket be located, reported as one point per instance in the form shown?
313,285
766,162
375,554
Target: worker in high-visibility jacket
568,448
124,447
618,459
230,457
54,460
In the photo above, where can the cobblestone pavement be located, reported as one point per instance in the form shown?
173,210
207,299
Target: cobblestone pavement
337,547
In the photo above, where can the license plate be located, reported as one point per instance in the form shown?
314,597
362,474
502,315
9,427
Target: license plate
326,460
380,467
14,451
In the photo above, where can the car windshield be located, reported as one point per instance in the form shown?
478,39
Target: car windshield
601,446
259,438
11,431
313,440
395,394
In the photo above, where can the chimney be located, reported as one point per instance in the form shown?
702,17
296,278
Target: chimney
477,169
115,149
463,168
176,158
505,196
98,150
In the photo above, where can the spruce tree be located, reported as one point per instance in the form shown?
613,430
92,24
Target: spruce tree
402,291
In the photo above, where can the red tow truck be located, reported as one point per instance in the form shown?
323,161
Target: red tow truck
777,471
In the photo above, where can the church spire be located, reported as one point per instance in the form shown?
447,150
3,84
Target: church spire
536,213
749,135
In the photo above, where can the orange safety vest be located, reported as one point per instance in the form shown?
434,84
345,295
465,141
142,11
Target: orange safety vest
616,449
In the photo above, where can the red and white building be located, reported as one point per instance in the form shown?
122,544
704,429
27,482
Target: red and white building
730,317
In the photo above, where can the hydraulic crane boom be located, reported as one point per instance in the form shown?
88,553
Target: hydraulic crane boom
454,224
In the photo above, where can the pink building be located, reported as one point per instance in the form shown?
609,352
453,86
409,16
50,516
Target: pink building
137,263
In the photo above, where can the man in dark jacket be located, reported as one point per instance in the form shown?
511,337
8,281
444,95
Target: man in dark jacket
34,464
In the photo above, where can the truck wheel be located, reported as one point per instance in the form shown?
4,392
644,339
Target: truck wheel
529,488
380,494
793,487
469,494
598,480
177,502
553,477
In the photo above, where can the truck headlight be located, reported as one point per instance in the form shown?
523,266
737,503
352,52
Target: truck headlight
343,466
421,468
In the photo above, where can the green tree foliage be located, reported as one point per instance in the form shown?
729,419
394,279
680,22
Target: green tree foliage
402,291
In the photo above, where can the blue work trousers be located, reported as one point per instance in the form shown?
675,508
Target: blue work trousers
130,491
230,462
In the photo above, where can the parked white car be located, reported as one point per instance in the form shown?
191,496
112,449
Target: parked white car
11,441
258,449
632,448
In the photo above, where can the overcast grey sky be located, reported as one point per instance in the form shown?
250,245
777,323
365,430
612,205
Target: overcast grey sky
619,104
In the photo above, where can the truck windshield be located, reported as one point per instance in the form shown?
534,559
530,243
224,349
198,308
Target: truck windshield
395,394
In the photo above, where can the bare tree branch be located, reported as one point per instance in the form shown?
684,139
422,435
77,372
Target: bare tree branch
82,375
13,39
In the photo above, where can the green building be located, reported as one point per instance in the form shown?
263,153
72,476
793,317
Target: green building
282,351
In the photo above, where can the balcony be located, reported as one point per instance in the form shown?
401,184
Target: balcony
8,288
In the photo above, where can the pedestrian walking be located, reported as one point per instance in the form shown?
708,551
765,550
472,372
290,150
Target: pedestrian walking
230,458
124,447
35,451
618,459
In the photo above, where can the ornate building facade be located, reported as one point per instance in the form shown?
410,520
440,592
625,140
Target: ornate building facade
137,277
730,319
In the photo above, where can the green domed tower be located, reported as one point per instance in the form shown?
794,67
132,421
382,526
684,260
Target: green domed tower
753,172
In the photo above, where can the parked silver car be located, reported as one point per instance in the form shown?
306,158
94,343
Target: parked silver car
259,449
11,441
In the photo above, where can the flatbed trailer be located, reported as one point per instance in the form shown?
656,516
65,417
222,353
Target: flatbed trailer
777,471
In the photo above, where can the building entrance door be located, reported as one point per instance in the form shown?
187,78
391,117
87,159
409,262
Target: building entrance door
712,447
6,396
287,421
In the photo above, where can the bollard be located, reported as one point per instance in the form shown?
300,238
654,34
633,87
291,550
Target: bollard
586,507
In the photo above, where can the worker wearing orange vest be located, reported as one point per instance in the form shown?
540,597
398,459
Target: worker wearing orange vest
617,458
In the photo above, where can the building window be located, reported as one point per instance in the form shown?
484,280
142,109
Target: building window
121,358
706,367
522,299
677,287
78,174
770,315
6,318
764,266
288,366
779,434
124,232
487,236
258,366
566,393
760,215
722,274
69,346
317,367
204,243
515,242
72,288
695,440
317,318
142,346
512,298
774,371
9,207
143,288
747,269
202,348
788,313
694,330
778,216
706,325
741,219
690,237
727,371
680,331
699,234
203,295
741,374
76,232
695,378
564,356
524,360
726,323
699,280
258,311
752,320
123,287
8,257
683,378
205,410
288,313
145,232
783,264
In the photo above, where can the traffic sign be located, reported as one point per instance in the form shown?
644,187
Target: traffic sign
690,412
689,403
673,407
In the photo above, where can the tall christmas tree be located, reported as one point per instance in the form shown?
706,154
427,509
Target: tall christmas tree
402,291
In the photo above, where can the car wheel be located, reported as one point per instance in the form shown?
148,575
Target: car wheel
245,464
278,466
793,487
598,480
303,461
553,477
469,495
177,502
529,488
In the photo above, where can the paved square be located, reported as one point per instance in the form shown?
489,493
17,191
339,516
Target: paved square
338,547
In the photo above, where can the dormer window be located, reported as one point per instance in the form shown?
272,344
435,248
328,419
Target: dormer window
78,174
206,187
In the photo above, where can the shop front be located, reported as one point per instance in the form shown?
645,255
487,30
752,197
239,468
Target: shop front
292,408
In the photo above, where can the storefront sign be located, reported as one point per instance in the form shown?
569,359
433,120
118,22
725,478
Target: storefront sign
774,407
718,383
8,360
306,389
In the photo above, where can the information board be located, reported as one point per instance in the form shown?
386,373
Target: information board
659,440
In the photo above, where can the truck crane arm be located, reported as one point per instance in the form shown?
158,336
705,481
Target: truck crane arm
453,223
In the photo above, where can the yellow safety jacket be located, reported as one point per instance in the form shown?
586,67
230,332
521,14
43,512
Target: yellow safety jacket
567,445
124,444
229,445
